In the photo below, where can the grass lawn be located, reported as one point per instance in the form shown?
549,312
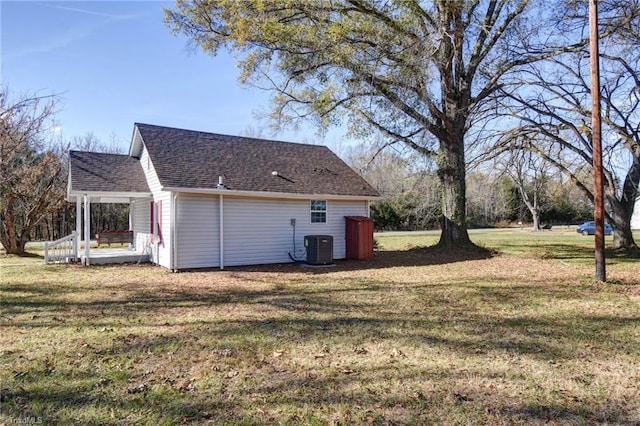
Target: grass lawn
415,336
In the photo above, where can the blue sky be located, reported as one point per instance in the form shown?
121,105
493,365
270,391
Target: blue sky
115,63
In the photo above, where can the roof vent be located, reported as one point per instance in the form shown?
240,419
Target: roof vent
275,173
221,182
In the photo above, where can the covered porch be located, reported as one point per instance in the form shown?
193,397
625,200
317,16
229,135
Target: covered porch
89,251
101,178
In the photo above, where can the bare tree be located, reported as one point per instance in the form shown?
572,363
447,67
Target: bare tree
90,142
410,187
491,198
530,173
31,171
556,112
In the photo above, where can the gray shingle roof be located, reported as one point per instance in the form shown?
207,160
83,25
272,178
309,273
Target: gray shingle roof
192,159
93,171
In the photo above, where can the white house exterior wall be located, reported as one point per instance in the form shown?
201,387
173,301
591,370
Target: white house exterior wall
256,231
164,245
635,219
197,230
160,252
337,210
259,231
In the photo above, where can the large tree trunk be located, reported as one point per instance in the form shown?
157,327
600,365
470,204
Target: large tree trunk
622,209
455,87
621,223
622,236
451,171
11,241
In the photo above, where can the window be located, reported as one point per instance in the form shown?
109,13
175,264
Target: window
318,211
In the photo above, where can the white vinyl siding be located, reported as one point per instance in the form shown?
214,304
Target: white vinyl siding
149,172
336,212
164,246
140,218
259,231
160,252
197,230
256,230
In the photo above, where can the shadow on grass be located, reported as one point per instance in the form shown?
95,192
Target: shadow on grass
548,250
632,254
61,395
256,396
457,317
419,256
8,260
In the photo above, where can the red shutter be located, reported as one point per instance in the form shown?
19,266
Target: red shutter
159,237
151,219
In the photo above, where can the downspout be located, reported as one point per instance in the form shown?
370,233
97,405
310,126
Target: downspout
221,231
173,230
221,217
132,221
131,224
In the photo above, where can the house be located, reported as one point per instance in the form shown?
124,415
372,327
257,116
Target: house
635,218
203,200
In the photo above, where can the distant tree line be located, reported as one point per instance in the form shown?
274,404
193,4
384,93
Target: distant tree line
494,196
62,221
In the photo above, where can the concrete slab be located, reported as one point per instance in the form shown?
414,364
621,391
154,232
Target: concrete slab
113,256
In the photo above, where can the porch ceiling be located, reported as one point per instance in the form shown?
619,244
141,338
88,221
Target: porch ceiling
108,197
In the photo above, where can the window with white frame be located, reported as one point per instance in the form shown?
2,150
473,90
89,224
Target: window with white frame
318,211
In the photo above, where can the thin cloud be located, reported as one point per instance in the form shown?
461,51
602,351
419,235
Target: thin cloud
56,42
115,17
70,35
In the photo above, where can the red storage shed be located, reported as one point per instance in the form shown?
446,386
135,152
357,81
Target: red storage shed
359,236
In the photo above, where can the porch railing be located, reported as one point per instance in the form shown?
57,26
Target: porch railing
62,250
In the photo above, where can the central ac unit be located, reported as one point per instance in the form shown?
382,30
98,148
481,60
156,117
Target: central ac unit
319,249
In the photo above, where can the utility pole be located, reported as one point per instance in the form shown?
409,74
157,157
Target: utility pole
596,141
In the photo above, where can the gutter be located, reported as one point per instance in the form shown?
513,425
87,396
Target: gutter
265,194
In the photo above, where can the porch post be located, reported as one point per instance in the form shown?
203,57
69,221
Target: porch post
87,229
131,224
76,247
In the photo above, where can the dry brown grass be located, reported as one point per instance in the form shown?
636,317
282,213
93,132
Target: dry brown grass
412,337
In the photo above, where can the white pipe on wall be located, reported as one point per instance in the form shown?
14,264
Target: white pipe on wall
221,231
174,232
